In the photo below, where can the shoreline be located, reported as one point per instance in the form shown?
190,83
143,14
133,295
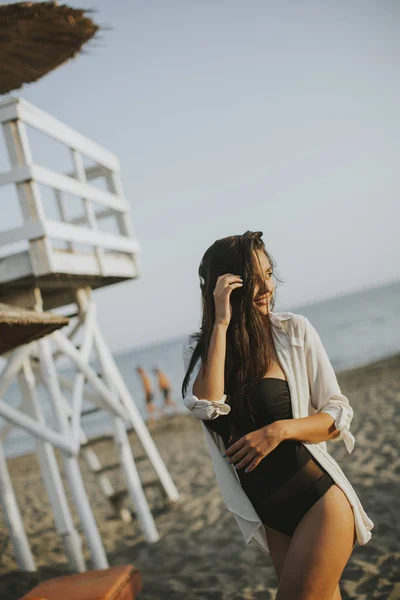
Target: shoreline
201,552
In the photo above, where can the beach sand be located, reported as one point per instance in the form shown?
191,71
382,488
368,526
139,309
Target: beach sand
201,553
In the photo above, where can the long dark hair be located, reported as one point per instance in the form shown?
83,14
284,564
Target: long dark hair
250,350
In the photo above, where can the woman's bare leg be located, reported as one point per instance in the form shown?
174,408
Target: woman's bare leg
279,545
337,595
319,550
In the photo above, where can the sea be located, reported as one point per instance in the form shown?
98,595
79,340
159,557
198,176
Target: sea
356,329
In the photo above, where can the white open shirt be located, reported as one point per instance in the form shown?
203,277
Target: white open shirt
313,388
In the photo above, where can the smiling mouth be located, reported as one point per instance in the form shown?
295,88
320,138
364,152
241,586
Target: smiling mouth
264,300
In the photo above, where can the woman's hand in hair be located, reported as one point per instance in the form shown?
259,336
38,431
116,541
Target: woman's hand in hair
254,446
222,292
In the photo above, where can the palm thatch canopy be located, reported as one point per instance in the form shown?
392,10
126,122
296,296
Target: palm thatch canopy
19,326
37,37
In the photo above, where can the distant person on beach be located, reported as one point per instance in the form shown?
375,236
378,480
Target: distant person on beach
268,399
149,394
165,388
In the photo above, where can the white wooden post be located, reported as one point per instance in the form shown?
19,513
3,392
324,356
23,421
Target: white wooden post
114,185
105,398
12,367
13,518
89,454
132,411
51,476
62,213
17,417
70,462
80,174
136,419
127,461
38,430
19,153
134,483
79,383
125,225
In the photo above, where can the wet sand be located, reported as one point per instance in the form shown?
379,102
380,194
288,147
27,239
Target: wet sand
201,553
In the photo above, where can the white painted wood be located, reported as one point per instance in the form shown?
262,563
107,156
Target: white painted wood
91,457
37,118
137,420
84,235
13,364
72,186
28,194
89,210
100,214
62,213
38,231
79,382
89,454
18,144
67,384
134,484
114,186
77,263
36,429
114,264
113,397
92,172
20,157
125,225
8,111
71,464
94,465
13,518
70,335
8,427
127,461
104,394
17,174
51,476
30,230
15,267
13,249
112,256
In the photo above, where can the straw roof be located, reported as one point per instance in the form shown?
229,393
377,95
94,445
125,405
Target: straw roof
19,326
37,37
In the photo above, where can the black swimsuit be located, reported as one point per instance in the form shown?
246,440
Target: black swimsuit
288,481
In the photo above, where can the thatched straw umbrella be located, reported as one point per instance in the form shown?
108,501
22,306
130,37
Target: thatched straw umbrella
19,326
37,37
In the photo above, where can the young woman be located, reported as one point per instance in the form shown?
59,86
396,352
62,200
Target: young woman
268,399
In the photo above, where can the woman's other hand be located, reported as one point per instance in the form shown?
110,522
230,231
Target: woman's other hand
254,446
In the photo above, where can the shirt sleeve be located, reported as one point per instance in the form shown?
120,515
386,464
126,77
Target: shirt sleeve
325,392
200,407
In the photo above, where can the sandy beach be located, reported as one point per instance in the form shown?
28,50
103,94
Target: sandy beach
201,553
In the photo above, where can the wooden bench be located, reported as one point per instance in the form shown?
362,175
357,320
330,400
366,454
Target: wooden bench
117,583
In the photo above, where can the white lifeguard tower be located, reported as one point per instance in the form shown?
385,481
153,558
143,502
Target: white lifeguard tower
49,263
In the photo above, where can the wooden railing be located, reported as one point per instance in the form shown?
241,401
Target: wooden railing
97,203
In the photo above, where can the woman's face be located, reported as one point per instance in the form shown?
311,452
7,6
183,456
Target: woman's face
264,287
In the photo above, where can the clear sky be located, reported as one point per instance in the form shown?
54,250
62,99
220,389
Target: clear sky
227,115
